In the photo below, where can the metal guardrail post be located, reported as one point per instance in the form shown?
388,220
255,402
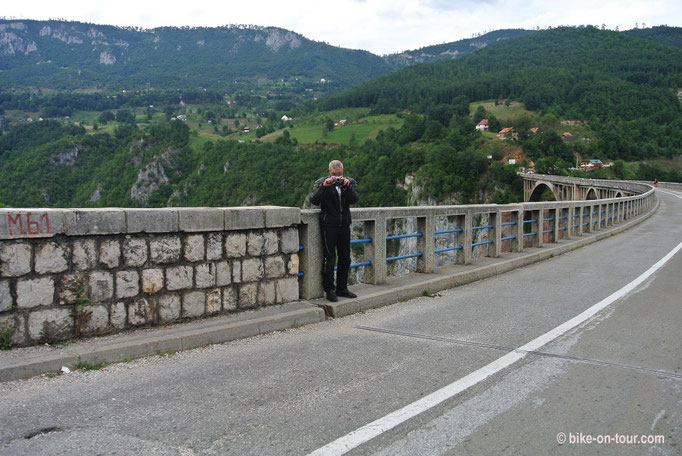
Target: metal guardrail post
376,250
426,244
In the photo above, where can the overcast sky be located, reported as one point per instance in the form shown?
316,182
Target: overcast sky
379,26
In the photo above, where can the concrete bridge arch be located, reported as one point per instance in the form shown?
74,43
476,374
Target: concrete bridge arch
540,192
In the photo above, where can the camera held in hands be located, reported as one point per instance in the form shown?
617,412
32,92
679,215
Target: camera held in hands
338,181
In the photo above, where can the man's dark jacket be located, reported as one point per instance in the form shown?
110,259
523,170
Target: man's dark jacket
334,211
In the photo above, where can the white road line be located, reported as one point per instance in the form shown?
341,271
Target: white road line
670,193
352,440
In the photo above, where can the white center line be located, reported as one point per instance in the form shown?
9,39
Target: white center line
352,440
670,193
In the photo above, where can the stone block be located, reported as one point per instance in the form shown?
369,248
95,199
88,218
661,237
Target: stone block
235,245
293,265
276,216
194,304
141,311
84,254
94,221
270,243
5,296
73,289
244,218
35,292
165,249
248,295
50,325
214,246
213,301
201,219
169,308
152,280
16,325
236,271
289,242
205,276
266,293
135,252
101,286
255,243
229,298
127,284
252,270
179,278
274,267
194,248
223,273
287,289
98,320
15,259
118,315
51,258
163,220
16,224
110,253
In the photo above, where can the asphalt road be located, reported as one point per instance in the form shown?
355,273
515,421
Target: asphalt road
615,375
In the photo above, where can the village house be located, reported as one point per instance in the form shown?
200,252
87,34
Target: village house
482,125
285,118
567,136
508,133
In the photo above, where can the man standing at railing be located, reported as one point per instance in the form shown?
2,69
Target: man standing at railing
334,194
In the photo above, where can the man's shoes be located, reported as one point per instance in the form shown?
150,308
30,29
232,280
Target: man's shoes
331,296
346,293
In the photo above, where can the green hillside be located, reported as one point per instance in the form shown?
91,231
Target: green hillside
624,88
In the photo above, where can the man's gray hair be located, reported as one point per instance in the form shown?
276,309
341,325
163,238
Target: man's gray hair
335,164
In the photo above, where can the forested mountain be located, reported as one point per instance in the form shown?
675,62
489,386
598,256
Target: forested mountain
448,51
623,87
662,34
71,55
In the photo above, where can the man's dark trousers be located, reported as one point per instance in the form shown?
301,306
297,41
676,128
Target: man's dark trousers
335,238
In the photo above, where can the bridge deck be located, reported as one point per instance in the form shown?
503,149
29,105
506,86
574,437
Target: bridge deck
293,392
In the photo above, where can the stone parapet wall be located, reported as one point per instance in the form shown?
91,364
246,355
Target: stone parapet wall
72,273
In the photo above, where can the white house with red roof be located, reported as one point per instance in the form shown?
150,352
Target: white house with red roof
482,125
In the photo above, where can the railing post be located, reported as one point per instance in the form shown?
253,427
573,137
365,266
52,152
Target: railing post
555,223
426,244
376,250
517,243
495,249
310,259
465,223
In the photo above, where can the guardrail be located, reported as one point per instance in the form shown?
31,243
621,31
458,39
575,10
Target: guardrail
498,229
